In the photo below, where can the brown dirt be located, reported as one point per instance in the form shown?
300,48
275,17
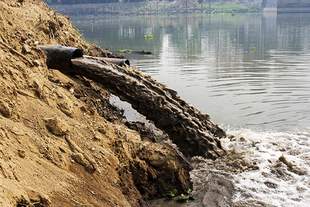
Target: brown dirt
58,146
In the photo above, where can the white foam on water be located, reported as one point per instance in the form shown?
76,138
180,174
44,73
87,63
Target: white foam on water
265,148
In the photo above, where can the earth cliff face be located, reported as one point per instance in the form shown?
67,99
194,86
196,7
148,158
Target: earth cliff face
60,143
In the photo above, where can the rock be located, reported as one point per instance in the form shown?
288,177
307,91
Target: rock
38,199
285,161
5,109
291,167
33,199
21,153
231,137
39,89
270,184
62,149
280,170
56,126
157,159
66,107
97,136
242,139
219,191
301,189
36,63
102,129
82,160
158,170
26,49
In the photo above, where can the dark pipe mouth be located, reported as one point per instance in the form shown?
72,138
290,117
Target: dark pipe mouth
77,53
59,57
127,62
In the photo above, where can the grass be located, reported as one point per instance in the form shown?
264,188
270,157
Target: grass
217,7
228,7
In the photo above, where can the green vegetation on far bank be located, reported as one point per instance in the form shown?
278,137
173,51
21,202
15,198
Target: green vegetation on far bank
226,7
139,7
153,7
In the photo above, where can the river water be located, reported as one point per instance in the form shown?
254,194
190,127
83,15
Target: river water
245,70
249,72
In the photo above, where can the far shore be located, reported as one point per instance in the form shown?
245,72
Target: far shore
151,8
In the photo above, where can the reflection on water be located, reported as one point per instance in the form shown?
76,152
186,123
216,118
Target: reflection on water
248,71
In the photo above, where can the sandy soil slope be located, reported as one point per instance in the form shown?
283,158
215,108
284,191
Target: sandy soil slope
58,145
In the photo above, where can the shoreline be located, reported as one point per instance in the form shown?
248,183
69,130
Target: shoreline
137,9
